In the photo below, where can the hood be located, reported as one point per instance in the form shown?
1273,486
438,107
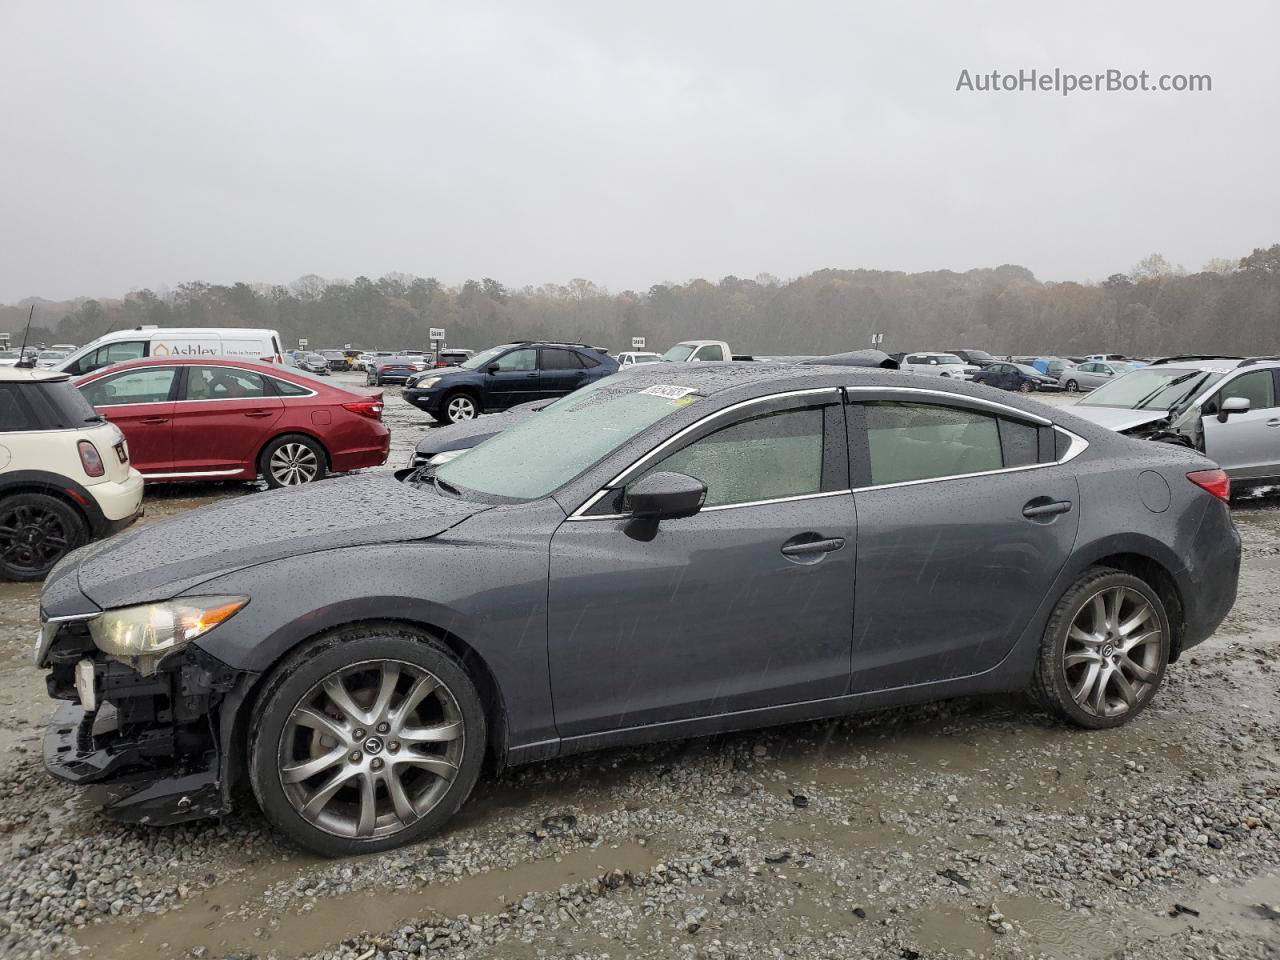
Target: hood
161,560
460,436
1118,419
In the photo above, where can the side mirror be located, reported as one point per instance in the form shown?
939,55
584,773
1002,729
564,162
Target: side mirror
1232,405
493,368
666,496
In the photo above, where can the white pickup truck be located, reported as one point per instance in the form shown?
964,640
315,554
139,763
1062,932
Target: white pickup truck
693,351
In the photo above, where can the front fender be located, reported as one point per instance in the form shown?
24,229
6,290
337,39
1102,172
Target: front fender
485,584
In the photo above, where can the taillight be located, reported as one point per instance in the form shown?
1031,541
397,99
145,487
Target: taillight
366,408
440,364
1215,481
90,459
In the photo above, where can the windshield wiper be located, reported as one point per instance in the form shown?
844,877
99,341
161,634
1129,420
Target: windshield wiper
445,487
1142,403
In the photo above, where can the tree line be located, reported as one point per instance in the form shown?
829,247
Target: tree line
1231,306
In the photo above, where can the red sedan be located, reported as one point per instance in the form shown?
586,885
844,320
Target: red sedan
215,418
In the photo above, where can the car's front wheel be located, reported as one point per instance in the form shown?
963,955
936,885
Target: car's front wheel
1104,650
459,408
292,460
365,739
36,531
1026,386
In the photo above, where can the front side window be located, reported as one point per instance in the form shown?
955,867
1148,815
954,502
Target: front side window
517,361
764,458
1257,386
111,353
148,385
711,352
918,441
223,383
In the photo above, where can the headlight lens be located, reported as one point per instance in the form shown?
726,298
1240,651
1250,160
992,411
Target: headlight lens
445,457
155,628
427,382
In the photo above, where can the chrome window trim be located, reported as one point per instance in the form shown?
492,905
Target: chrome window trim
722,506
191,473
644,460
948,395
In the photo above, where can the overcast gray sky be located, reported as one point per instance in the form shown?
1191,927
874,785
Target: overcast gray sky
144,144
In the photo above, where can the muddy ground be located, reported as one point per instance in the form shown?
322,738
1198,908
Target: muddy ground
975,828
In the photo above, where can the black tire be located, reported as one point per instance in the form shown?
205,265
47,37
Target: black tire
309,460
1026,386
1071,386
454,405
294,681
1052,680
36,531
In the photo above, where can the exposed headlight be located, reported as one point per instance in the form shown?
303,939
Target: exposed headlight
445,457
156,628
427,382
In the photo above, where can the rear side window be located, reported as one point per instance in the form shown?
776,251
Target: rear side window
149,385
587,360
58,405
917,441
286,388
1020,443
764,458
222,383
553,359
15,412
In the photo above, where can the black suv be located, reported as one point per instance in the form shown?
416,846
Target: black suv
505,376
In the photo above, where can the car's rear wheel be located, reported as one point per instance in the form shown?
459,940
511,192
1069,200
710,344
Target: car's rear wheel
1071,387
36,531
292,460
1104,651
366,739
459,407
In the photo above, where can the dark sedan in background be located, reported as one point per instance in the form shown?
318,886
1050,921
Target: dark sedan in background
397,369
609,571
1014,376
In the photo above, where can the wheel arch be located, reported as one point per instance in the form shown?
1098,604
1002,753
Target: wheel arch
472,661
294,432
470,390
61,488
1151,563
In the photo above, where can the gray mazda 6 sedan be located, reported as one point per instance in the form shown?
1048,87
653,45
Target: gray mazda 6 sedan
677,550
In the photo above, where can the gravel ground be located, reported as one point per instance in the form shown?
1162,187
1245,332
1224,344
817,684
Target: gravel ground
975,828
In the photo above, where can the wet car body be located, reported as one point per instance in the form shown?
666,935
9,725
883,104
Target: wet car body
529,596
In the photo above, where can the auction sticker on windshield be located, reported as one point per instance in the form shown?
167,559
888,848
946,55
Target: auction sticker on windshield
670,391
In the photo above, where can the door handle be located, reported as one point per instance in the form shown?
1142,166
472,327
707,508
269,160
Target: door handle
799,548
1274,422
154,421
258,413
1042,507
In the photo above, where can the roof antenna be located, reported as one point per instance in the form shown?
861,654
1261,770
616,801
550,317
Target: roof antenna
22,352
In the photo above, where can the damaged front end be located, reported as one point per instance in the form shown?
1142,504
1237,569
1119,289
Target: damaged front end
155,736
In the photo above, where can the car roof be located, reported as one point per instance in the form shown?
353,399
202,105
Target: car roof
30,375
1214,366
216,360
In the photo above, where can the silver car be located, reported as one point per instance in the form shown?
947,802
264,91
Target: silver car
1092,374
1228,408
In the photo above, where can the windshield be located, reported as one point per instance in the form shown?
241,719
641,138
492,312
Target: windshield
680,352
1152,388
542,453
483,358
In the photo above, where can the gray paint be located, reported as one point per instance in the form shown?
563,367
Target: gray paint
596,637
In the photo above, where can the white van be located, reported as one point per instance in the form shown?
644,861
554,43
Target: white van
149,341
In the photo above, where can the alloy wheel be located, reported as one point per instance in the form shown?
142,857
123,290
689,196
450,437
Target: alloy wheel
1112,653
31,537
294,463
461,408
371,749
1072,386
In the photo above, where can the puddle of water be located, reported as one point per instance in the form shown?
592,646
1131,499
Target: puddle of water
215,919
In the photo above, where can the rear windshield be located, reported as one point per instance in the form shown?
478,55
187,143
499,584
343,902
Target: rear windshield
60,406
